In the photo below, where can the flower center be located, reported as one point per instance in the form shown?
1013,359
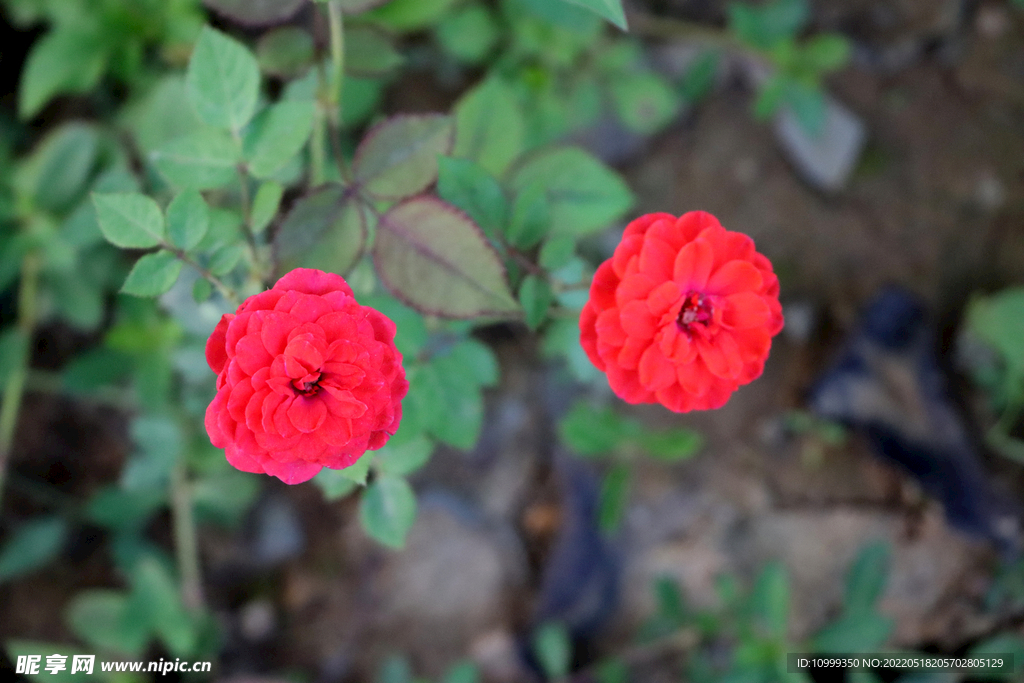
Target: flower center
308,385
696,308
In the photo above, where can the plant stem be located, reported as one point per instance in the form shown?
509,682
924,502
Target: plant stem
14,391
228,293
667,27
337,30
186,546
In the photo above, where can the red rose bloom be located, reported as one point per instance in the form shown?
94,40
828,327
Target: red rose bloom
306,378
682,314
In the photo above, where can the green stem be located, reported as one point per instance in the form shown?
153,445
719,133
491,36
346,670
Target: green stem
186,546
14,390
228,293
337,30
666,27
317,157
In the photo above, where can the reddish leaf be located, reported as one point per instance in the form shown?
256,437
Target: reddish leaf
398,157
433,257
325,229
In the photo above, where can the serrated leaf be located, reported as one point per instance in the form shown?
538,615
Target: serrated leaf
553,649
155,605
369,52
115,508
584,195
490,127
468,186
446,401
153,274
223,80
265,205
536,297
867,578
645,102
436,260
188,219
203,160
404,459
590,431
32,545
387,510
763,26
609,9
224,259
286,52
613,497
398,157
325,229
65,60
276,135
700,77
256,12
129,220
472,360
531,218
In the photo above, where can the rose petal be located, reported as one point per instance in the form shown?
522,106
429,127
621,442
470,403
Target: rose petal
307,414
734,277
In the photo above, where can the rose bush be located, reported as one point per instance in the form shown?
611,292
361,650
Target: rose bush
306,378
682,314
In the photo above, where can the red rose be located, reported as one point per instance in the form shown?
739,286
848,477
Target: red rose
306,378
682,314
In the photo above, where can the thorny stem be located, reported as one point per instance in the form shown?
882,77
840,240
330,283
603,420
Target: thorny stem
186,546
14,391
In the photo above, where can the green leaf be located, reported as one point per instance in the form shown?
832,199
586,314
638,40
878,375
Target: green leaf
867,578
224,259
114,508
613,671
285,52
395,669
223,498
1000,644
265,204
861,632
437,261
398,157
645,102
490,127
19,648
404,459
153,274
202,290
807,102
334,484
553,649
613,498
97,618
700,77
536,297
66,60
469,33
223,80
449,408
531,218
160,447
129,220
276,136
557,253
763,26
369,52
468,186
827,52
672,444
562,339
388,509
998,320
591,431
470,359
154,605
584,194
203,160
57,172
188,219
671,604
95,368
325,229
409,15
770,600
462,672
609,9
32,545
